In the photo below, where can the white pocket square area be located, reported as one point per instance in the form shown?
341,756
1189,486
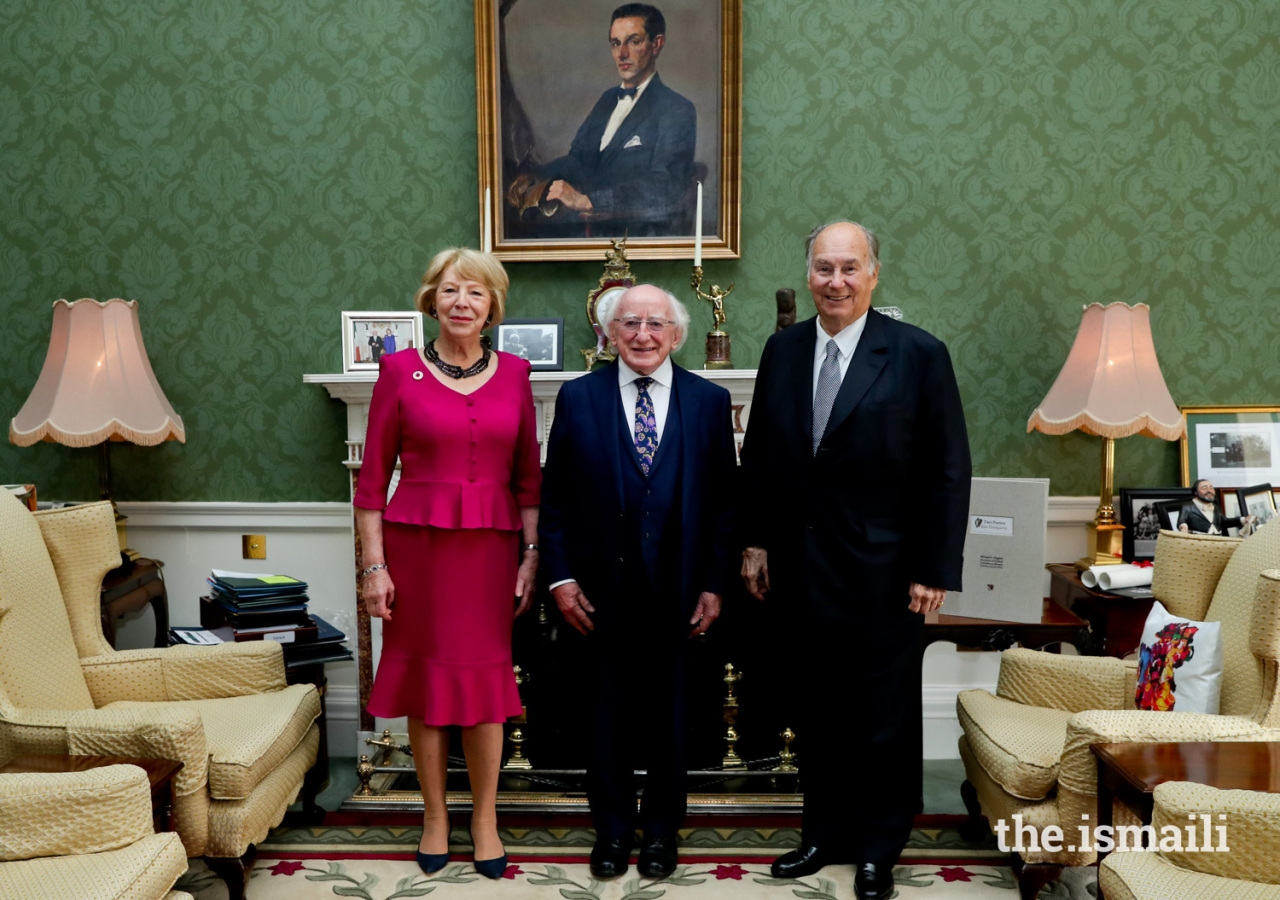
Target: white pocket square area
634,142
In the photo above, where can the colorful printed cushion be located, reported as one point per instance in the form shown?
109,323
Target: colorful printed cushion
1179,664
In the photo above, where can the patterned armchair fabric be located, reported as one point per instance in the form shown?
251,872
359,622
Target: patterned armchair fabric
246,740
85,835
1026,747
1249,870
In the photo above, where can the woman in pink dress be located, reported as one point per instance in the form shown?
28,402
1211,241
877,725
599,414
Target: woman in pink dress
446,563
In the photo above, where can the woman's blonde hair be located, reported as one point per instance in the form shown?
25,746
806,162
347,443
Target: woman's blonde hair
473,266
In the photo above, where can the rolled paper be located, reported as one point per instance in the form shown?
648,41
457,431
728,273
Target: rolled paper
697,230
1117,577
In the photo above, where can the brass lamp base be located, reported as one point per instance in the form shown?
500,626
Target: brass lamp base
1106,544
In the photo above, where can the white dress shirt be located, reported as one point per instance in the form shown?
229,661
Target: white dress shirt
846,343
659,393
621,111
1208,509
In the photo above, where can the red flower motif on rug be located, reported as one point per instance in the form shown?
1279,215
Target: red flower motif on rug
734,871
954,873
286,867
512,871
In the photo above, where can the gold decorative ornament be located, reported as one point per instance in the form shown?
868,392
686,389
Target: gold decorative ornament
719,352
365,770
617,278
731,759
787,756
517,759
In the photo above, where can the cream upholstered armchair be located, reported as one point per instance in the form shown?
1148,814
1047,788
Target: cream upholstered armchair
1249,870
1026,747
85,835
246,740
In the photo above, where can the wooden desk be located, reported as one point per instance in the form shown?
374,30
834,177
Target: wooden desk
160,773
129,589
1115,622
1131,771
1056,626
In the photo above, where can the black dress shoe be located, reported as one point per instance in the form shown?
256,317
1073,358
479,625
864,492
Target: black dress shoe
873,882
609,858
657,858
802,861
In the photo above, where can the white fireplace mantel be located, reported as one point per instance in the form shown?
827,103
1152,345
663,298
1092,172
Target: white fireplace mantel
356,388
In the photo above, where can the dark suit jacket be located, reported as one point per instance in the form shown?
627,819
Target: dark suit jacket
580,525
644,183
886,499
1195,520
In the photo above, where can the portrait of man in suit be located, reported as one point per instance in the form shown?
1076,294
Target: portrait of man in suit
855,425
630,165
1202,516
635,531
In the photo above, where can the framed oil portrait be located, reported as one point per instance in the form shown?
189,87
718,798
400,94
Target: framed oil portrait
540,341
1232,446
1143,519
368,336
592,128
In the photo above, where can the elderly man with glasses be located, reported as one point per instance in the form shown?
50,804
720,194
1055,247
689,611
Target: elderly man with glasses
636,540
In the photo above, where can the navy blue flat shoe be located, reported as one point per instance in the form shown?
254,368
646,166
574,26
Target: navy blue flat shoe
432,862
492,868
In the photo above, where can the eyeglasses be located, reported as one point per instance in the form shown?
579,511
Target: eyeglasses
655,326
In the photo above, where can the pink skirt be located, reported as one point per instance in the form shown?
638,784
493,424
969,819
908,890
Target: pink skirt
446,653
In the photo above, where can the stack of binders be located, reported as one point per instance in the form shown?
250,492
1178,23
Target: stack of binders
248,607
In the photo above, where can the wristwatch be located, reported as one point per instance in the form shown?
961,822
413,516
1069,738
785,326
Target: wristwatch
528,547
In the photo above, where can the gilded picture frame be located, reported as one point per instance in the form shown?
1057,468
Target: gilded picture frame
547,74
1232,446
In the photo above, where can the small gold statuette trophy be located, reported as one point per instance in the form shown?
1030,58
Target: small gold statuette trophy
517,759
731,758
719,353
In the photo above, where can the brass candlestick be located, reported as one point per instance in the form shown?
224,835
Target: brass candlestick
517,759
787,755
731,759
718,348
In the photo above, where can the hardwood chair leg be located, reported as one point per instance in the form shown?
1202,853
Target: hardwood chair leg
974,830
1032,877
234,871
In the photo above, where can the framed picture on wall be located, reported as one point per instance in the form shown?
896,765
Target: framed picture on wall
540,341
368,336
1143,519
1232,446
591,128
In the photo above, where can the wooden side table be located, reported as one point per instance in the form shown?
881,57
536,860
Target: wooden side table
1056,626
129,589
160,773
1115,622
1131,771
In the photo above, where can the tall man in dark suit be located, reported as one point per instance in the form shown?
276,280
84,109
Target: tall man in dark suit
636,537
856,466
631,161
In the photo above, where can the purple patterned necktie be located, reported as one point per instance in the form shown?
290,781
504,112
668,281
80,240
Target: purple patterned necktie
646,425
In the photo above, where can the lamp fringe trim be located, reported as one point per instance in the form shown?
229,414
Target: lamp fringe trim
1143,425
112,431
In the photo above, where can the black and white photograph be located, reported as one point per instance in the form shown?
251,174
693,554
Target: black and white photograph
1258,501
540,341
1240,450
1143,518
369,336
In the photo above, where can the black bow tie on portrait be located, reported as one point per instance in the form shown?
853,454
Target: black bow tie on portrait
626,92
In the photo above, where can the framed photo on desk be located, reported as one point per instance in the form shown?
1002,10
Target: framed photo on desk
1142,518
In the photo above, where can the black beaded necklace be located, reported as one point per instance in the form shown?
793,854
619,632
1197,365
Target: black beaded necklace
456,371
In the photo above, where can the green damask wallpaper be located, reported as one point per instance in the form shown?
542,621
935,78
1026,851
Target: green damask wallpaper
246,170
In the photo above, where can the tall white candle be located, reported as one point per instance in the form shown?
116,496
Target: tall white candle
486,239
697,230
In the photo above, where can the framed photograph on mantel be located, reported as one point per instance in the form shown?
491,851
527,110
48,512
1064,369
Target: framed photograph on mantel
1143,519
369,336
540,341
592,128
1232,446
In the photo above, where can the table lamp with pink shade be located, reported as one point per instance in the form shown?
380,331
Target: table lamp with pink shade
97,387
1110,386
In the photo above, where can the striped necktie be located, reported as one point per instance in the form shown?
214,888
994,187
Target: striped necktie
825,397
